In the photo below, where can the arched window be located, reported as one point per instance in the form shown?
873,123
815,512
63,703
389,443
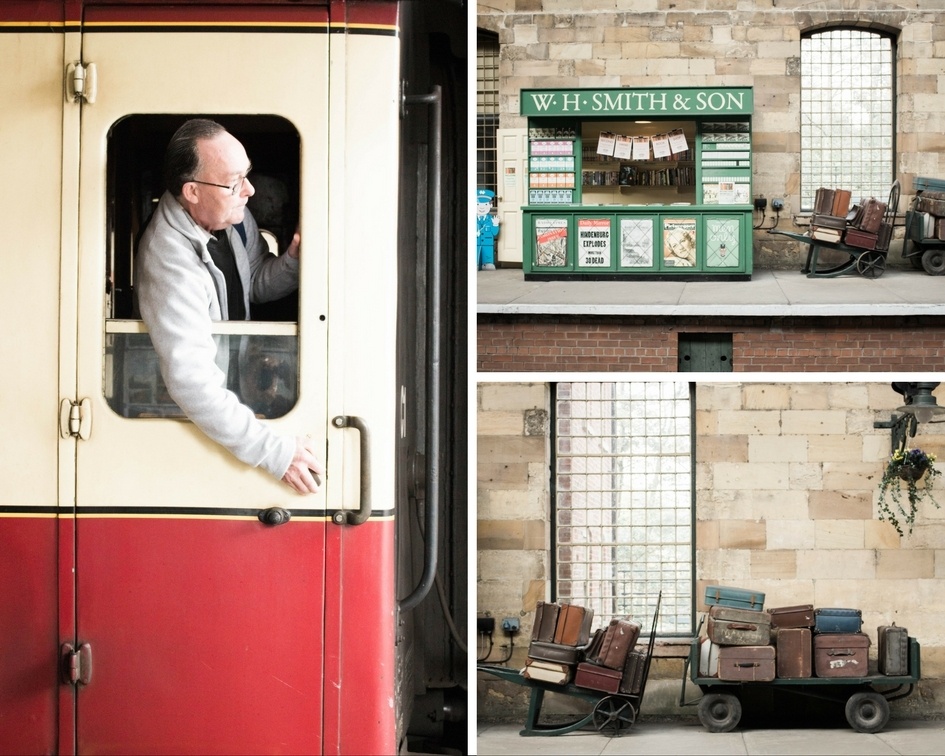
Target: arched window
847,113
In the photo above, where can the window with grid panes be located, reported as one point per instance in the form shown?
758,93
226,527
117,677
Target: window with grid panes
847,114
487,111
623,501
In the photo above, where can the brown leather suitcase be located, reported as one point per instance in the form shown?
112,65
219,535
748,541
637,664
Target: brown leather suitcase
801,615
620,636
546,618
553,652
573,625
855,237
596,677
747,663
932,203
819,220
823,200
632,679
559,674
940,228
738,627
892,644
841,654
870,215
841,203
794,652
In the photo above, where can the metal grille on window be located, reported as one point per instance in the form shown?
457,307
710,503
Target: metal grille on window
487,111
847,129
623,501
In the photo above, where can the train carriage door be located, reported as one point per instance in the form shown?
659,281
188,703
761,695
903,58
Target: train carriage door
203,624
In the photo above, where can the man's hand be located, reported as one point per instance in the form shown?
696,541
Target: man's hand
304,468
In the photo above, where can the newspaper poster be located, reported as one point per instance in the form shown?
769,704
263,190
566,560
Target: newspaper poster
679,242
641,148
623,147
605,143
551,242
593,242
677,141
661,146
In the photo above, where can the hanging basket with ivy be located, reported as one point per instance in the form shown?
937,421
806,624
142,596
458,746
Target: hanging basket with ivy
909,466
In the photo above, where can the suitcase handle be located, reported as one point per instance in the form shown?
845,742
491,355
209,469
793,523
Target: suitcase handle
742,665
844,652
734,626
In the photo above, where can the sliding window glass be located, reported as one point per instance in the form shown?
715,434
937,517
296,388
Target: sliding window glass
847,113
623,507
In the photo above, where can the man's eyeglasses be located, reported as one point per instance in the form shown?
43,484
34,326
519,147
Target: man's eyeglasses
234,190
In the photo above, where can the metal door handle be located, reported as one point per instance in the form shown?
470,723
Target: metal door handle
364,512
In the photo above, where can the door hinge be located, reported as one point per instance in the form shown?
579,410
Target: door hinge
81,82
75,419
75,664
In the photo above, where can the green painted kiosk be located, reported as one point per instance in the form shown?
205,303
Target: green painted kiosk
638,183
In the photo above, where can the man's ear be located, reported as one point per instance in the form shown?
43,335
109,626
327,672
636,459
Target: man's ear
189,192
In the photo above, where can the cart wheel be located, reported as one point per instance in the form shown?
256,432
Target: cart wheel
614,715
871,264
720,712
867,712
933,261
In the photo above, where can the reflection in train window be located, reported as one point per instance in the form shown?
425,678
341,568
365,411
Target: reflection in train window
262,372
263,367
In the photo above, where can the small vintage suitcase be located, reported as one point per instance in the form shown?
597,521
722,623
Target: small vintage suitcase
632,679
739,598
753,663
892,650
619,639
841,655
738,627
574,624
794,652
559,674
801,615
931,202
596,677
553,652
708,658
835,620
870,215
546,618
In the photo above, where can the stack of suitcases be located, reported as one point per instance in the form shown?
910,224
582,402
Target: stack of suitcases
746,643
862,226
929,209
562,650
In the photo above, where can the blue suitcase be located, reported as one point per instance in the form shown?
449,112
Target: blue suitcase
738,598
834,620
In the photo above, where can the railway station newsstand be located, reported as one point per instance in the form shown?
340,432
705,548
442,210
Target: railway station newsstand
638,183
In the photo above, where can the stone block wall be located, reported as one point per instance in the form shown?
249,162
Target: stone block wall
786,485
674,43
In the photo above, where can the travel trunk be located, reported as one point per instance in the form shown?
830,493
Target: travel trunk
892,650
836,620
595,677
792,616
841,655
738,627
747,663
739,598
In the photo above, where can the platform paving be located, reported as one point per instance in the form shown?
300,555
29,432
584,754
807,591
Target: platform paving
688,736
772,293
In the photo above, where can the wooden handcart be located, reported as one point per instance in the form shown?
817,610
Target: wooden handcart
866,699
869,263
611,713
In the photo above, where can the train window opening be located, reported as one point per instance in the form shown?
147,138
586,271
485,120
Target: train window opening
262,360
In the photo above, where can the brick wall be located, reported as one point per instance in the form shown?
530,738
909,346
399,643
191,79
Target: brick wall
649,344
786,488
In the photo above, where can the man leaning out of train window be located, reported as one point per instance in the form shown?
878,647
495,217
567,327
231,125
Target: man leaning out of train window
181,293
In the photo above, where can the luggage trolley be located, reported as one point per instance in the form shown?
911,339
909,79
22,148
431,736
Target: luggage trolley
869,263
921,245
867,698
612,713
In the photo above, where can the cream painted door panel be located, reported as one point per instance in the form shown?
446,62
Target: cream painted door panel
166,462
